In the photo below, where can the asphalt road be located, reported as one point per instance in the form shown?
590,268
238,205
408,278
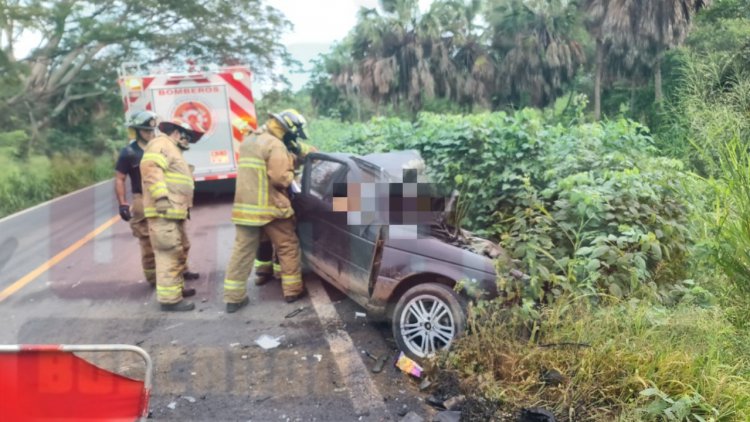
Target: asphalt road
70,274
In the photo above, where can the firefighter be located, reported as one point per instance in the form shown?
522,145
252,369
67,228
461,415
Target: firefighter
267,265
167,198
262,205
141,128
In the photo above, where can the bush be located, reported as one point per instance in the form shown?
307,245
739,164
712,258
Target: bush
586,208
631,361
28,184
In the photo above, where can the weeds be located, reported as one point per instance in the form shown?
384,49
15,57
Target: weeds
628,361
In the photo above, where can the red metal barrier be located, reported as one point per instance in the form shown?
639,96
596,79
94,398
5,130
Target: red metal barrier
50,383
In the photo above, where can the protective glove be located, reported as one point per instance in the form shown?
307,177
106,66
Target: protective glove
125,212
162,205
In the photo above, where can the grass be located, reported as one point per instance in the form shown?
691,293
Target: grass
629,362
26,183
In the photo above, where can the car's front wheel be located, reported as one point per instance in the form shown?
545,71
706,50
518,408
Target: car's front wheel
427,318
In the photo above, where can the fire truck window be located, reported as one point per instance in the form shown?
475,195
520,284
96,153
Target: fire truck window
322,176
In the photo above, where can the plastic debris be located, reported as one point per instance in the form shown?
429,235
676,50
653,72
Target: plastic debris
172,405
244,357
267,342
425,384
360,315
190,399
234,345
408,366
318,357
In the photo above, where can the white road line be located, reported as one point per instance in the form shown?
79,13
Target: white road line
362,390
59,198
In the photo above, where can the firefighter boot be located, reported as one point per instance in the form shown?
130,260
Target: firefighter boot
234,307
181,306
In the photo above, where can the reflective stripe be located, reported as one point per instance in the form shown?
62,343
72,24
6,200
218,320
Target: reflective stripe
178,178
160,193
277,267
168,289
252,160
234,285
172,213
158,159
262,263
289,280
149,271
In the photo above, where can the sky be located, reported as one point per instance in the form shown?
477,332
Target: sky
317,25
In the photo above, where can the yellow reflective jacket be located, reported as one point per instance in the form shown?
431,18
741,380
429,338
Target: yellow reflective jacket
166,174
266,169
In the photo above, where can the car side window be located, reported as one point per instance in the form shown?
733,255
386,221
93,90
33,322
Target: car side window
323,173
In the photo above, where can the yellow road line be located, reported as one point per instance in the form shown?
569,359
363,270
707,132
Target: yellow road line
28,278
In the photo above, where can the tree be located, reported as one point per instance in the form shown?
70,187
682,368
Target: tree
537,44
84,42
637,33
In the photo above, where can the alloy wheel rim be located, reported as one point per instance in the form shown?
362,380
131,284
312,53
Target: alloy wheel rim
427,325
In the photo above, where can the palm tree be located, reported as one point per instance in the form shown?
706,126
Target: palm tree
637,33
537,50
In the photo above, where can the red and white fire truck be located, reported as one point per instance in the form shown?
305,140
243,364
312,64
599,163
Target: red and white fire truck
221,101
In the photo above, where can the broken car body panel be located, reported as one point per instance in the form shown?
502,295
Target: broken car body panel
375,261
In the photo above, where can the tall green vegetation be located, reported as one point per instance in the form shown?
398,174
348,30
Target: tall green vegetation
497,54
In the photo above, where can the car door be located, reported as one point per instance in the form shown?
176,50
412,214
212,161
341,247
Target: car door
318,227
343,252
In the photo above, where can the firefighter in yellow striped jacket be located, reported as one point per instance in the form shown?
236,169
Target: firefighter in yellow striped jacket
167,198
261,204
267,265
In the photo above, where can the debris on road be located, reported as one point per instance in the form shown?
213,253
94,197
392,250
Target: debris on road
412,417
425,384
379,361
172,405
190,399
448,416
536,414
408,366
455,403
244,357
233,345
267,342
295,312
358,315
435,402
318,357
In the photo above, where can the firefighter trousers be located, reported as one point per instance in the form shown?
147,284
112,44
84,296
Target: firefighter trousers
284,240
170,244
139,227
266,261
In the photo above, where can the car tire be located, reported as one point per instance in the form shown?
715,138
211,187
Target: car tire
427,318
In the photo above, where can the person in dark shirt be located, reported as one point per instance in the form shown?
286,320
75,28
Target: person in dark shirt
141,128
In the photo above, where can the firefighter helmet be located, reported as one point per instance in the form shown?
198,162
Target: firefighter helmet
143,120
192,131
292,121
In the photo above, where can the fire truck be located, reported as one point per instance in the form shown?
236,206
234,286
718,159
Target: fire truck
220,100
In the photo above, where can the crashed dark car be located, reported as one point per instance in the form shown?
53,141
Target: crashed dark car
394,271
